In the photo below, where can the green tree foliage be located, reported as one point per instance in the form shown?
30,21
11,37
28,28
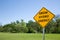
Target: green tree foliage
57,25
8,27
31,27
50,26
23,24
15,27
1,28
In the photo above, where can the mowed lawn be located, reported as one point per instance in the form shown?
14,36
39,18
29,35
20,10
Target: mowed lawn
28,36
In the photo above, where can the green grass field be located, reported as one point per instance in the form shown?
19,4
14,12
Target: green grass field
25,36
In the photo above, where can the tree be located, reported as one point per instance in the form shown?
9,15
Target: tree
8,27
17,22
1,28
23,24
33,27
58,25
50,27
21,27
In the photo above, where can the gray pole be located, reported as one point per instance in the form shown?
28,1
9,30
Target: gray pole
43,34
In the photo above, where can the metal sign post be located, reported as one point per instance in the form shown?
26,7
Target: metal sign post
43,36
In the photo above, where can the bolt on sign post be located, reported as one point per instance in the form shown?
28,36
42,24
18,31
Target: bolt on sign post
43,17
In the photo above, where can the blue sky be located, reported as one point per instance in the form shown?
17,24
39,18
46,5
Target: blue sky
12,10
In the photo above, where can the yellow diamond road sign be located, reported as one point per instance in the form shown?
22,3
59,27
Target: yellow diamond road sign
43,17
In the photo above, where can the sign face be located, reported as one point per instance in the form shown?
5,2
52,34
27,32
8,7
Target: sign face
43,17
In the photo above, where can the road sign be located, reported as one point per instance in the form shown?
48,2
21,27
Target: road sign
43,17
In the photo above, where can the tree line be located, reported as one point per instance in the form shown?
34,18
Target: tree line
31,27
